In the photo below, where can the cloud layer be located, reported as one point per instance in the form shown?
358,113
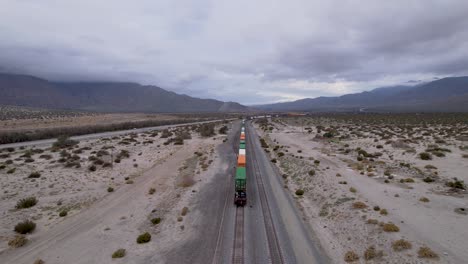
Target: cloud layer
248,51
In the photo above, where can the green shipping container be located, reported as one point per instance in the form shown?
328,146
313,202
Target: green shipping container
240,178
242,146
242,141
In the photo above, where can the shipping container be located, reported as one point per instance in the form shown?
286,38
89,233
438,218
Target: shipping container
240,196
241,161
242,146
242,141
241,151
242,137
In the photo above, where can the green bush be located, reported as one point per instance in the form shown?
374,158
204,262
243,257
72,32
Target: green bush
299,192
425,156
34,175
63,213
457,184
119,253
25,227
156,220
26,202
144,238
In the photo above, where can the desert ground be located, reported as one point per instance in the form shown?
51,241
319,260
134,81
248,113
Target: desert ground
377,188
91,198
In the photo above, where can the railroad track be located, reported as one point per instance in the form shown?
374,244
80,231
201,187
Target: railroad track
238,250
276,256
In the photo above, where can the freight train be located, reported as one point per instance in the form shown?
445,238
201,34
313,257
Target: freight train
240,196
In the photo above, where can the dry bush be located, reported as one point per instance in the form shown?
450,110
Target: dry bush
18,241
34,175
390,227
372,221
184,211
353,190
38,261
383,212
370,253
424,199
351,256
151,191
401,244
156,220
359,205
425,252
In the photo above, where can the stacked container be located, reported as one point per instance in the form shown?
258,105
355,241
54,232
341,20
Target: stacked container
240,198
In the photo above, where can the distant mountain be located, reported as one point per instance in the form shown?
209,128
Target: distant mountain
443,95
24,90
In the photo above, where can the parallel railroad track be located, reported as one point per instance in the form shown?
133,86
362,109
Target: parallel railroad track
238,250
276,256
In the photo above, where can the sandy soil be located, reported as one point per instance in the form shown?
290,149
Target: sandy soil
379,182
99,222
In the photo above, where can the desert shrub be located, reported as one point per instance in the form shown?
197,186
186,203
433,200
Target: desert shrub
370,253
424,199
353,190
457,184
63,213
428,179
12,170
351,256
316,162
178,141
425,156
92,168
180,218
129,182
383,212
359,205
223,130
151,191
390,227
26,202
401,244
206,130
273,160
18,241
299,192
425,252
144,238
3,166
372,221
166,133
38,261
119,253
64,142
312,172
184,211
25,227
156,220
110,189
34,174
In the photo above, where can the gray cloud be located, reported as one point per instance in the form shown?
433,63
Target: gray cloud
246,51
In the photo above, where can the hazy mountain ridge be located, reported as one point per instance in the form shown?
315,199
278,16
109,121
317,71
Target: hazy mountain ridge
25,90
443,95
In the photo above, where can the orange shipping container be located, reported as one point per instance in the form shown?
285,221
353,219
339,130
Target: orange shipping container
242,137
241,161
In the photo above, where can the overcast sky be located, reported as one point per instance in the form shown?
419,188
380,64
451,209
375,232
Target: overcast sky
250,51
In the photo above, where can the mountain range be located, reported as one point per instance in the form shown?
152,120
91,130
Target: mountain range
30,91
443,95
